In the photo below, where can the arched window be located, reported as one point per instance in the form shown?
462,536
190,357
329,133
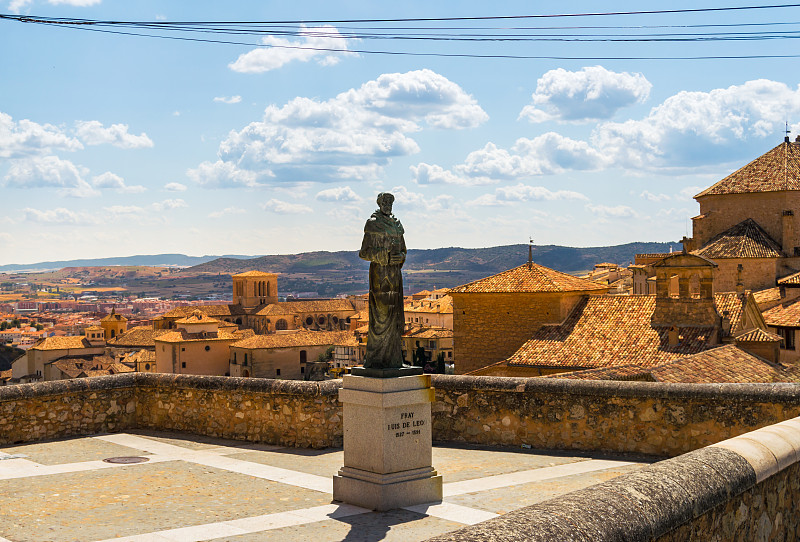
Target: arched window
281,324
245,359
268,289
302,356
113,333
239,321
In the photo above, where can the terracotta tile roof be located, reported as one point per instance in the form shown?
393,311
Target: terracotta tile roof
318,305
757,335
348,340
716,365
777,169
604,331
215,311
274,309
299,338
622,372
443,305
182,336
723,364
744,240
784,315
763,297
198,317
254,274
114,317
142,356
425,332
76,367
62,343
140,336
536,278
794,278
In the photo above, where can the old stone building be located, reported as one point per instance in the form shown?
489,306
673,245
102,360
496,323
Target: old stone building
494,316
684,317
747,223
255,306
283,356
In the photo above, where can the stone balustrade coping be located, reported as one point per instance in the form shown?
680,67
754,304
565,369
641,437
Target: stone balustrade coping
787,393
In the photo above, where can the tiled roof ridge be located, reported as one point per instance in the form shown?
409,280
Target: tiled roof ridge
776,170
545,276
747,239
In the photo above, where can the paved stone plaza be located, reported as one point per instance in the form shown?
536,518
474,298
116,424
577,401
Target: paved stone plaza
196,489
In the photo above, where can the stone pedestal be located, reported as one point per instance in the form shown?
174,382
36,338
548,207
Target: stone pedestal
387,443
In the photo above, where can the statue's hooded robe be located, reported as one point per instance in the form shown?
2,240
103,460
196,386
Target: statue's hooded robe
383,235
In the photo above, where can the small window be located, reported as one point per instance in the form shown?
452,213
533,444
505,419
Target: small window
234,357
208,348
277,372
183,365
183,349
303,356
146,366
787,334
302,370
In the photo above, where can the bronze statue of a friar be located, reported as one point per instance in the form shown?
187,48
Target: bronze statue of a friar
384,247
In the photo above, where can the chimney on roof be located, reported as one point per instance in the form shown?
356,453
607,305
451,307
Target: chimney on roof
530,252
739,283
672,336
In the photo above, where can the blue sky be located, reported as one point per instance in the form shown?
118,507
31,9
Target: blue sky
115,145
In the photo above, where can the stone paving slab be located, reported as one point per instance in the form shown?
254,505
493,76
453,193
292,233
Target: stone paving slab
129,500
391,526
197,488
506,499
70,451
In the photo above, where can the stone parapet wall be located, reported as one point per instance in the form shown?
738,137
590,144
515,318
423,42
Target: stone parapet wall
284,412
630,417
746,488
63,408
594,415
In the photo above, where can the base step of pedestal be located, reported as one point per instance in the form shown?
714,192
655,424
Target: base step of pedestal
385,492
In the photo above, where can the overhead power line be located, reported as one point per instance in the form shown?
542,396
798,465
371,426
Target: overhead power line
322,38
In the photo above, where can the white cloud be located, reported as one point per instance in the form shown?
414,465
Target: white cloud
175,187
228,99
285,208
508,195
28,138
617,211
17,6
697,128
92,132
340,193
49,172
351,136
221,174
546,154
58,216
418,201
227,211
589,94
649,196
111,180
168,205
324,43
75,3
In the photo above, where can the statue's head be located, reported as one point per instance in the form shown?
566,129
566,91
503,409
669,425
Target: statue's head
385,201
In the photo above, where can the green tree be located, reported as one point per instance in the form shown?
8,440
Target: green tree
327,355
3,325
